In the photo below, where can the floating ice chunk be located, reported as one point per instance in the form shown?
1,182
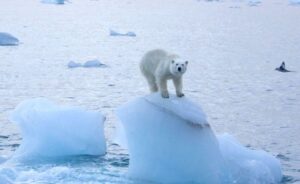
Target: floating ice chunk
50,130
249,166
254,2
73,64
54,1
93,63
115,33
165,146
169,140
7,39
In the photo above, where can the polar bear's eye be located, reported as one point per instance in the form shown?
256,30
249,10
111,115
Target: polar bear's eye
176,64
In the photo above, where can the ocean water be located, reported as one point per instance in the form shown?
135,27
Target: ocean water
232,47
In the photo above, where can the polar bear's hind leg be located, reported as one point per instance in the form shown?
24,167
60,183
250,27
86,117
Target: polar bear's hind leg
152,83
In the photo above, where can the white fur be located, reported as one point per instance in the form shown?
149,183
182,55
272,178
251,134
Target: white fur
158,66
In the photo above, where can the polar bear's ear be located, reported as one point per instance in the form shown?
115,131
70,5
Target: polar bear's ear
186,62
173,61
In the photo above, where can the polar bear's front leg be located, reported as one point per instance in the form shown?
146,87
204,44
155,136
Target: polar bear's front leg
178,86
163,88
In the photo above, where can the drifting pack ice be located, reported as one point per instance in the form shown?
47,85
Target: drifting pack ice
170,141
53,1
7,39
93,63
50,130
115,33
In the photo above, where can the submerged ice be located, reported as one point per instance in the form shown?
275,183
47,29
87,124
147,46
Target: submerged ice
248,166
51,130
169,140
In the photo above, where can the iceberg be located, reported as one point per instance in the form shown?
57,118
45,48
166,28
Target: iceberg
170,141
7,39
50,130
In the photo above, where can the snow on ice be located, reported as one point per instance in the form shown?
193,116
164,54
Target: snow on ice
169,140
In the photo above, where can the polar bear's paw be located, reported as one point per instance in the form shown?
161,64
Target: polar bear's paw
165,94
179,94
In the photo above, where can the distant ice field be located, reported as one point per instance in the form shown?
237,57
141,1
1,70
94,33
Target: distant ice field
232,47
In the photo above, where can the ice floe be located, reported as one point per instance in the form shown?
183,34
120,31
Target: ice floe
50,130
115,33
7,39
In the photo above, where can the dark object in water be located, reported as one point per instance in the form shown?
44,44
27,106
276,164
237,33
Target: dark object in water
282,68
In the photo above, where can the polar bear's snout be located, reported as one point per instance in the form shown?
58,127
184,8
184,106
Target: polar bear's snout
180,68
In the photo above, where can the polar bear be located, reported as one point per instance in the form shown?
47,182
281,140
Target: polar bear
158,66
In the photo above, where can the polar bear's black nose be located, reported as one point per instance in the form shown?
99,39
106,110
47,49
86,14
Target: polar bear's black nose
179,69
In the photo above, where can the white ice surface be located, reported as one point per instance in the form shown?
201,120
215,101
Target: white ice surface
50,130
7,39
164,146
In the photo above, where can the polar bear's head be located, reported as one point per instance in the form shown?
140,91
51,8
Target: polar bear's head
178,67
